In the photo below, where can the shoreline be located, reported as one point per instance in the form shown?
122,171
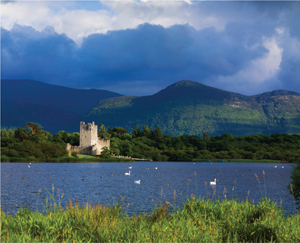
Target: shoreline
119,160
64,160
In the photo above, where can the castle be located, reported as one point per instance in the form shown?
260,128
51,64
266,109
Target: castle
89,143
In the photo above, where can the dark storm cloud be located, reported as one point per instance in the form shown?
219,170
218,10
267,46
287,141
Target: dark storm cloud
286,14
30,54
149,53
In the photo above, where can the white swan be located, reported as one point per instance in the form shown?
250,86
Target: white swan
282,167
156,168
127,173
130,167
275,166
28,166
137,182
214,182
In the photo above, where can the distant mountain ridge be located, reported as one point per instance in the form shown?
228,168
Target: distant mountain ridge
52,106
188,107
185,107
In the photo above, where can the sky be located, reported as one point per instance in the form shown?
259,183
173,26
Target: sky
141,47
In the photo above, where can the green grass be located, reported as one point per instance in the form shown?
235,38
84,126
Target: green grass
200,220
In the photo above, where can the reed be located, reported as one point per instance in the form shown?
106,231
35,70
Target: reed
200,220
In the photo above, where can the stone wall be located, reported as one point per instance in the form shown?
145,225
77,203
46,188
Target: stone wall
89,142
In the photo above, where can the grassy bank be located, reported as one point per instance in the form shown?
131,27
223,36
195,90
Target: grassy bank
200,220
64,159
238,160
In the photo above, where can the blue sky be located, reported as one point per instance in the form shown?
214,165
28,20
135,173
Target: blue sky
140,47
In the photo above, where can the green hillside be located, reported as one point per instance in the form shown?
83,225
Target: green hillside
51,106
191,108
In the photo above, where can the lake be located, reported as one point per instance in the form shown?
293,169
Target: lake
106,183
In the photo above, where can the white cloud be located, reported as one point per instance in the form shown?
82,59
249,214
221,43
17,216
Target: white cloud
256,76
79,20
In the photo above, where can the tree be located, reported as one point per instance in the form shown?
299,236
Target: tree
136,132
21,133
110,130
120,130
157,133
4,133
114,146
146,131
73,138
206,135
74,154
105,153
11,133
64,136
33,127
102,133
295,184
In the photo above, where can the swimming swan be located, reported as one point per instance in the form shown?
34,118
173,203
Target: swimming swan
127,173
214,182
130,167
137,182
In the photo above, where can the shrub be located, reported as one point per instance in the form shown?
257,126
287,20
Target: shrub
74,154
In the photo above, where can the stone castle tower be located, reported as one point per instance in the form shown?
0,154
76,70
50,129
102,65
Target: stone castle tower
89,142
88,134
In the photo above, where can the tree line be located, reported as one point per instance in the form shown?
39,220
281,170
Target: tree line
149,143
152,144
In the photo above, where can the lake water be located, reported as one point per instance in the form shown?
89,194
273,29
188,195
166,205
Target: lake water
106,183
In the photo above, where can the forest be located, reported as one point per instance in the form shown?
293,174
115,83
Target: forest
32,141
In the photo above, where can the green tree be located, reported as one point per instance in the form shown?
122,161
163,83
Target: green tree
33,127
146,131
110,130
21,134
64,136
206,135
4,133
120,130
295,184
74,154
136,132
157,133
73,138
105,153
102,132
11,133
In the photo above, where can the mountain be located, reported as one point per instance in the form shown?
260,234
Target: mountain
191,108
53,107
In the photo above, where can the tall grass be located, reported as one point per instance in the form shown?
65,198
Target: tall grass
199,220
